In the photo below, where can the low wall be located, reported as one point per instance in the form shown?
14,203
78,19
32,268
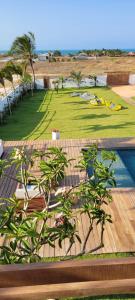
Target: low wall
86,82
132,79
40,84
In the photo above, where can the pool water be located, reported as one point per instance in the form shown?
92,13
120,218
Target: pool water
124,168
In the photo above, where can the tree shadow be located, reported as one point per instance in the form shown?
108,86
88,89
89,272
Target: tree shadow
75,102
98,127
43,121
28,116
69,92
91,116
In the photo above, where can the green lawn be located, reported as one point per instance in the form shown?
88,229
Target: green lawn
114,297
35,117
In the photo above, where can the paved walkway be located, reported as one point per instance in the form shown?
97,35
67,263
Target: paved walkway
126,92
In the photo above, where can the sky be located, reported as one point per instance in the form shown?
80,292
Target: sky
69,24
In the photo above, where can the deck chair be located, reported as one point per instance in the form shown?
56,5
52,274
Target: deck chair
115,107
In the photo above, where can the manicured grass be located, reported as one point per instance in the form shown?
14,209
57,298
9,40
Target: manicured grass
118,297
35,117
94,256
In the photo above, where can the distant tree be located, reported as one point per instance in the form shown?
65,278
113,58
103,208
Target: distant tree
77,76
56,85
49,56
24,47
94,77
103,52
61,80
57,53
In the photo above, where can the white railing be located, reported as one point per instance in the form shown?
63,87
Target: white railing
10,98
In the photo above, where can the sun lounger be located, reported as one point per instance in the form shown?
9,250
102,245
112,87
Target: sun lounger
97,102
33,191
113,106
75,94
87,96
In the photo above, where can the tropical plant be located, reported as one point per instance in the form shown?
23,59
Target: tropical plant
94,77
8,75
24,47
26,232
56,85
49,56
61,80
15,69
2,81
57,53
26,81
77,76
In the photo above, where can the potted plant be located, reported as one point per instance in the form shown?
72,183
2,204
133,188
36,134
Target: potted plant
55,134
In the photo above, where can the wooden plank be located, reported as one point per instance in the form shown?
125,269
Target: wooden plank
65,272
90,288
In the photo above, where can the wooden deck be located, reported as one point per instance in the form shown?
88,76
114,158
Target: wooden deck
119,236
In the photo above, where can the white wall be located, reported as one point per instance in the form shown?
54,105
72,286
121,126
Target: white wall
86,82
132,79
40,84
102,80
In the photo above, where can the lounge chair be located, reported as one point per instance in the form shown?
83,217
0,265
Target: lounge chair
97,102
75,94
113,106
87,96
102,101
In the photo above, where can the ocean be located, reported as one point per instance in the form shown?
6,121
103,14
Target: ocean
66,51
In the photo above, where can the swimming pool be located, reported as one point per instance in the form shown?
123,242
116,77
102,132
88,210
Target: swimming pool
124,168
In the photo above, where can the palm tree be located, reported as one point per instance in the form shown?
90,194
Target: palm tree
8,75
94,77
2,82
49,56
27,80
24,46
56,85
61,80
77,76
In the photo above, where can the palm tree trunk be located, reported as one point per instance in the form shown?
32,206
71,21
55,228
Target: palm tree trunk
34,78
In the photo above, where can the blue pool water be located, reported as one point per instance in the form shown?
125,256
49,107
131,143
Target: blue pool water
124,168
